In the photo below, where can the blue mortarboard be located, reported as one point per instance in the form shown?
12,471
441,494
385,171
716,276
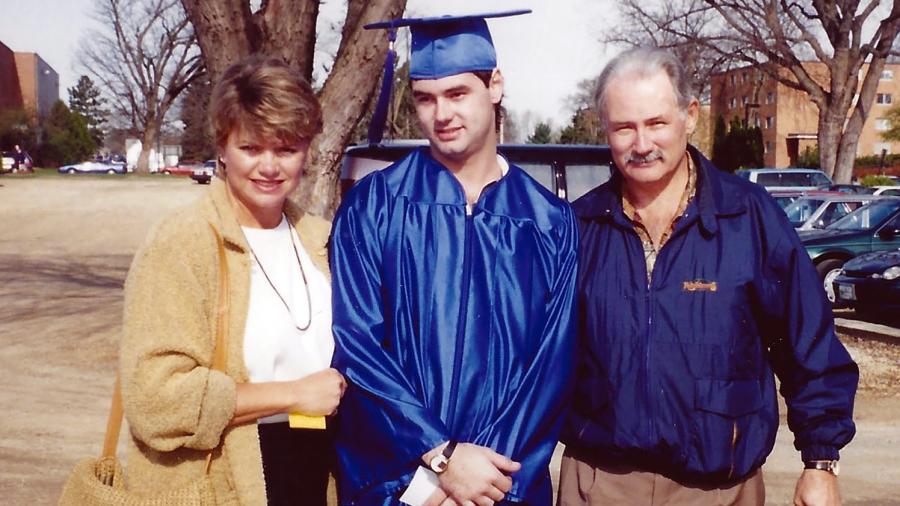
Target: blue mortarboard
441,46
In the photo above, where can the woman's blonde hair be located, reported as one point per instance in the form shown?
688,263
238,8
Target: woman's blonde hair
264,97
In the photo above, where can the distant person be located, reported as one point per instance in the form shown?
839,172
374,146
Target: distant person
693,289
20,159
454,275
264,115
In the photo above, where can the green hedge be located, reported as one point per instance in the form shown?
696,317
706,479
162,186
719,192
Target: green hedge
875,161
876,180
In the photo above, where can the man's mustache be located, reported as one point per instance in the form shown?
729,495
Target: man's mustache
640,159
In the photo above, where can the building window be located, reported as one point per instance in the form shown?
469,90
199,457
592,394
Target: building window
733,102
887,75
733,79
769,147
879,146
756,121
770,98
770,122
744,100
882,124
883,99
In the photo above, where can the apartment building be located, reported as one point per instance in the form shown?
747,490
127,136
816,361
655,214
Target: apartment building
788,118
27,82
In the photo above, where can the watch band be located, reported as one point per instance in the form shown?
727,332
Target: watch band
832,466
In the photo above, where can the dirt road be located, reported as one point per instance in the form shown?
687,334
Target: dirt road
65,247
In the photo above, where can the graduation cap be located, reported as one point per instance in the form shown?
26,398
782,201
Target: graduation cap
441,46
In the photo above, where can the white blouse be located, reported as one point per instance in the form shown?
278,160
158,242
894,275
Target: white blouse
275,349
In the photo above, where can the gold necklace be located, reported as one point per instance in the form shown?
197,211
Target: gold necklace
292,232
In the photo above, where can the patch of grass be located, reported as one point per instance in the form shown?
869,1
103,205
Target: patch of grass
40,172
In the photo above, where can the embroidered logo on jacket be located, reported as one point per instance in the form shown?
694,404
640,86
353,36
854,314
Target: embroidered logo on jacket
700,286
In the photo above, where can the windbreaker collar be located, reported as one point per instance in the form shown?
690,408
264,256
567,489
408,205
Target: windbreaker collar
712,198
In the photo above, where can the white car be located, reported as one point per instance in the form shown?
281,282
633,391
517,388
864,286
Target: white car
818,211
893,191
785,179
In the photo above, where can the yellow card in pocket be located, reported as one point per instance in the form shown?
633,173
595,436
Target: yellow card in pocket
300,421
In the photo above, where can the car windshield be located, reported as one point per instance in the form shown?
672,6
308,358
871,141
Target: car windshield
867,217
800,210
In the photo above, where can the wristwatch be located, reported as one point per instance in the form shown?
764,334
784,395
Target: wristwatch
832,466
440,462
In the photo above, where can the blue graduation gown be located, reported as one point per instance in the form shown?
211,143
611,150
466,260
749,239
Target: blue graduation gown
450,325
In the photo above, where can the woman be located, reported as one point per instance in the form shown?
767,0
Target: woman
279,345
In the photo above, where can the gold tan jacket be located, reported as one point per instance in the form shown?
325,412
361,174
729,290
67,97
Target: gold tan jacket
176,406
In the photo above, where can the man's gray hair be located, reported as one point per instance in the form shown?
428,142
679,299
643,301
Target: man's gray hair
645,62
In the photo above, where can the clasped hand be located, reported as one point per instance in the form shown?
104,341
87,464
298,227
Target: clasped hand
475,476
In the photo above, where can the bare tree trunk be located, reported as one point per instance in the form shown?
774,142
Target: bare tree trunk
148,141
224,31
828,138
345,101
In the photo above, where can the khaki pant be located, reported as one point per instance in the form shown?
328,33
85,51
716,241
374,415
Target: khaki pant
581,484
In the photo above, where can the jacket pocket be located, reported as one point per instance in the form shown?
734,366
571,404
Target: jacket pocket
724,411
729,398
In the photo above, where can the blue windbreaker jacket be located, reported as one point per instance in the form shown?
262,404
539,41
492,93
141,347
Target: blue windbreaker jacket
677,377
450,326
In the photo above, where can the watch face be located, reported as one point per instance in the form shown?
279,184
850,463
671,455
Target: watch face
439,464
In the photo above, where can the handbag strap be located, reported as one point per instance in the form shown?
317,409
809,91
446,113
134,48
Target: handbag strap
220,358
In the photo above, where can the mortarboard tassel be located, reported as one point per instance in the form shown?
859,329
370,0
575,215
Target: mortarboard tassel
379,117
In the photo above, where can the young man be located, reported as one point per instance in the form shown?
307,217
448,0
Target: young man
693,288
453,276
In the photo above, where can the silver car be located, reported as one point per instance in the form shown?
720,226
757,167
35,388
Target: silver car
818,211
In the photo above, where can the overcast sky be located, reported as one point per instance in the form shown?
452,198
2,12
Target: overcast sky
542,55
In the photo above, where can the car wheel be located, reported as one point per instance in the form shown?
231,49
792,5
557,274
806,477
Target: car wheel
828,271
70,171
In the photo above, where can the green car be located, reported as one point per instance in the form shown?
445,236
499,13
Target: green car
873,227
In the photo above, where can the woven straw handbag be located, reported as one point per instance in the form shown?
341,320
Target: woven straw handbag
101,481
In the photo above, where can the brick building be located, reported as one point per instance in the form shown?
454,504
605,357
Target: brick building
27,82
788,118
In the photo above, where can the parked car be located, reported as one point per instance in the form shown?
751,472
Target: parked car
887,191
786,179
872,227
182,168
93,167
8,163
819,211
568,170
870,283
784,198
205,172
846,188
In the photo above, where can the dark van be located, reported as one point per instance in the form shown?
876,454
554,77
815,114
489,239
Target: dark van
568,170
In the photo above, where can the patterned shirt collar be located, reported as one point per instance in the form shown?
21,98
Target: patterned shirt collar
651,251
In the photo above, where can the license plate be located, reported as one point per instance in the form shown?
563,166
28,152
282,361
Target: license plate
847,292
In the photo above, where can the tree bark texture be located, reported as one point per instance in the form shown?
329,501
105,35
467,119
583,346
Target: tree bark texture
227,30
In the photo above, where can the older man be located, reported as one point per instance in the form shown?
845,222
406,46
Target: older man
693,288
